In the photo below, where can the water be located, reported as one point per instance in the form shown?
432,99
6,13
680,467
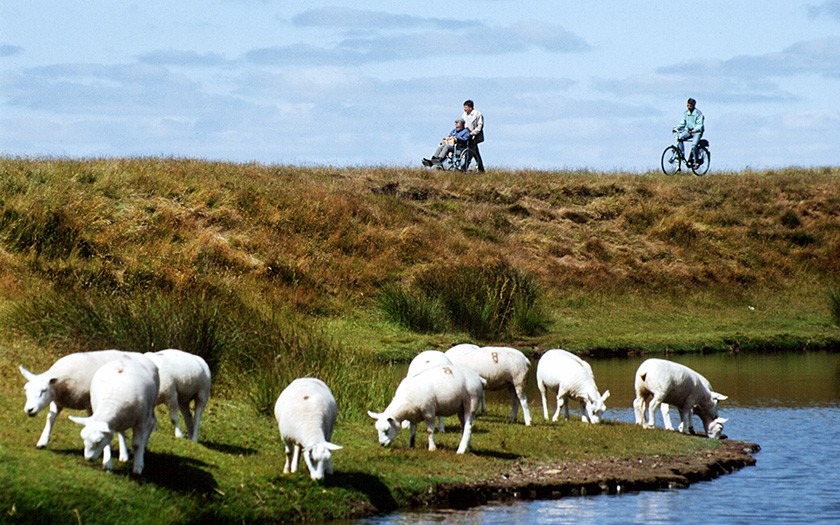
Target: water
789,404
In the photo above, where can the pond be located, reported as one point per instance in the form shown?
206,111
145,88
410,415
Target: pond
787,403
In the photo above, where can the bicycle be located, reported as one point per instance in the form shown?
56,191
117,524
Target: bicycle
672,159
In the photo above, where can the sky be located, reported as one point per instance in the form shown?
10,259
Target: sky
562,84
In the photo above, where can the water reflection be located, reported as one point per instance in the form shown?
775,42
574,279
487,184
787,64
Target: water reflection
789,404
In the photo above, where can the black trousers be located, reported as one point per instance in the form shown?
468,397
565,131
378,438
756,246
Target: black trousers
475,154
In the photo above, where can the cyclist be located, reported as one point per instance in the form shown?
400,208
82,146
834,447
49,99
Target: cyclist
691,128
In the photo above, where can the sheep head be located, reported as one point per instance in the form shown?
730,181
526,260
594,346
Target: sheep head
96,435
387,427
39,392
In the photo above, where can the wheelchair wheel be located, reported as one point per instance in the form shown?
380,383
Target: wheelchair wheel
705,159
459,160
671,160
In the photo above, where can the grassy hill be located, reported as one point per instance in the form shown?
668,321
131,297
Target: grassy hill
274,272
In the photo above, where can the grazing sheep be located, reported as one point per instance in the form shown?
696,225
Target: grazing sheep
572,377
66,384
306,413
659,381
123,394
184,379
423,361
438,391
501,367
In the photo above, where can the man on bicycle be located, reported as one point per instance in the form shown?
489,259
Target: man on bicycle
691,128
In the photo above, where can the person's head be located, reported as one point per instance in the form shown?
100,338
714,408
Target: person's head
459,123
690,104
468,106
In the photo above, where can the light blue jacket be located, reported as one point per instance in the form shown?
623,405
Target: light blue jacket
693,121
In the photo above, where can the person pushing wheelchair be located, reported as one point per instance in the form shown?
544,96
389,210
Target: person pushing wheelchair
690,128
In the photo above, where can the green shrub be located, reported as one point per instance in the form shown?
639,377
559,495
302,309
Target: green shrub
834,304
488,302
413,310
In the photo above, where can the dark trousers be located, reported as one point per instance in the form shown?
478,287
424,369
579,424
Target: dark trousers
475,154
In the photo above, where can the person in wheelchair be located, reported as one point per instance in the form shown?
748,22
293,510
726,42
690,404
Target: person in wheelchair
457,141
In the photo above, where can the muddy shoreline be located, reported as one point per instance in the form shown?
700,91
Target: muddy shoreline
592,477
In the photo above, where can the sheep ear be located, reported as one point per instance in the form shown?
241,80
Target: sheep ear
605,395
26,373
80,420
333,446
719,397
374,415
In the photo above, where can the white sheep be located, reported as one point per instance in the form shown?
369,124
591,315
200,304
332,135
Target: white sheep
306,412
123,394
422,361
184,379
501,367
659,382
572,378
438,391
66,384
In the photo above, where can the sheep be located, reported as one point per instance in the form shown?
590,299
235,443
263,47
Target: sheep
306,413
501,367
66,384
442,390
659,382
572,377
184,378
422,361
123,395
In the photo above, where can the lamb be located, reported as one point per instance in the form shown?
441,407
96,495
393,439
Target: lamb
659,381
572,377
442,390
306,412
501,367
66,384
123,395
184,379
423,361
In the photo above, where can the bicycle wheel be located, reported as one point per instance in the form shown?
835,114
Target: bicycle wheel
705,159
670,160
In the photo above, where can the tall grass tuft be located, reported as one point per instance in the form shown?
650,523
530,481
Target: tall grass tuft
488,302
834,304
413,309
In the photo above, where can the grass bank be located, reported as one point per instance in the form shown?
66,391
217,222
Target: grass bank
275,272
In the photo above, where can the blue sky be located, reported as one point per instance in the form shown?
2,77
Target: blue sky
562,84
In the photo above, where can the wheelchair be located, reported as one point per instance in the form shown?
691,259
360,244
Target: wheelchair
456,160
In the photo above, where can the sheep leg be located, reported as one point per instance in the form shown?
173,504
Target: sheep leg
200,403
652,406
412,430
639,410
556,415
467,418
140,440
295,457
173,416
685,416
583,416
666,416
430,428
523,400
286,466
541,386
188,419
107,464
51,415
123,447
441,428
514,404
